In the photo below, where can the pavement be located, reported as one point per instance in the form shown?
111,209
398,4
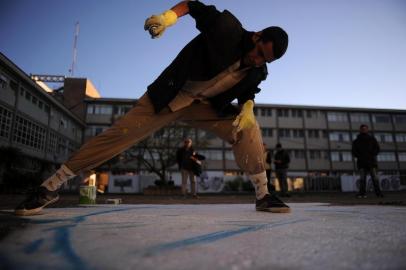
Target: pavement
208,236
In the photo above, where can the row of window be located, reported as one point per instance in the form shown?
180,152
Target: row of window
29,134
5,122
365,118
333,116
105,109
32,135
382,137
34,100
335,136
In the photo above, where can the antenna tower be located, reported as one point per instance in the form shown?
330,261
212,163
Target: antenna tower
75,41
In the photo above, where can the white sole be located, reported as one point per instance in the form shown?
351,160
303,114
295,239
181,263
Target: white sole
36,211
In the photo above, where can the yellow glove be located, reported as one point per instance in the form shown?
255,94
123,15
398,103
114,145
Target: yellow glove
156,24
246,118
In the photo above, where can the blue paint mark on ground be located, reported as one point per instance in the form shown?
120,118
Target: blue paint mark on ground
62,238
216,236
33,246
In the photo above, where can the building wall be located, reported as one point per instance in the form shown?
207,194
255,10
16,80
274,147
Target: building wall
32,120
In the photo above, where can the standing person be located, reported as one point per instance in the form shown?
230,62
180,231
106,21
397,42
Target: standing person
185,158
281,161
365,148
222,63
268,167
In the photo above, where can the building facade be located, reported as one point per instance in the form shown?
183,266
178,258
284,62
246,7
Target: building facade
32,120
318,139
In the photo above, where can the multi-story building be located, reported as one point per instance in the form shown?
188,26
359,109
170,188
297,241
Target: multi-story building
318,138
32,120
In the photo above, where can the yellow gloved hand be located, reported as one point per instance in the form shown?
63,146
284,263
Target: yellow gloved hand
156,24
246,118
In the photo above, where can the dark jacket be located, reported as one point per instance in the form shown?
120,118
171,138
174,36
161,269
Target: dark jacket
365,148
183,158
222,42
284,157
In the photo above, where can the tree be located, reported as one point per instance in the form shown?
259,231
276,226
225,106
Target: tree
157,153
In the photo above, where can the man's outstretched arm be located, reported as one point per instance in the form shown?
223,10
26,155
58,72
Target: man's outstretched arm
157,24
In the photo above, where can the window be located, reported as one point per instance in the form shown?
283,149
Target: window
27,95
229,155
29,133
337,117
47,108
99,109
297,113
315,154
386,156
95,130
343,156
22,91
381,118
401,137
34,100
90,109
40,104
346,156
266,112
5,122
3,81
121,110
13,85
313,133
299,154
256,111
53,138
283,112
212,154
103,109
339,136
284,133
311,114
267,132
402,156
298,133
359,117
335,156
400,119
384,137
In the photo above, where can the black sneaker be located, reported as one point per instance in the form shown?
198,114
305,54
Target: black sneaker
35,201
271,203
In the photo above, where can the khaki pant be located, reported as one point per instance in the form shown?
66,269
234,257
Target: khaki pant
192,178
141,121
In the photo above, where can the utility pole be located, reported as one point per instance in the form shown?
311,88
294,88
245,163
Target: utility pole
75,41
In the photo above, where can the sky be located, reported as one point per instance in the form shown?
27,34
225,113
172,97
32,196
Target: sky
345,53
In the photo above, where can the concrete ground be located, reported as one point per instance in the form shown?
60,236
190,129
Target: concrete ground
209,236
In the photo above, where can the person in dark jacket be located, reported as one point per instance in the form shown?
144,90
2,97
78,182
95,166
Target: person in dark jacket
222,63
187,166
281,162
365,149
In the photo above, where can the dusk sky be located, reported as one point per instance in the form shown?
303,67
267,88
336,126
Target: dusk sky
341,53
